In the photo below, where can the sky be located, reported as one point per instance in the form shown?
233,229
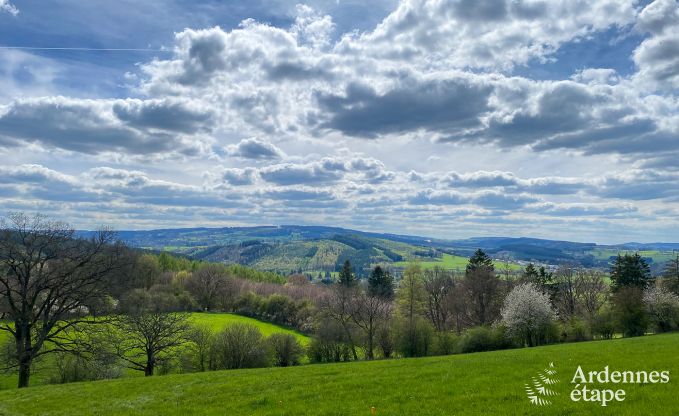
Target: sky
554,119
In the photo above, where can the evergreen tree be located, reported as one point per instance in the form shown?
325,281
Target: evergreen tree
479,260
346,275
380,283
630,270
531,273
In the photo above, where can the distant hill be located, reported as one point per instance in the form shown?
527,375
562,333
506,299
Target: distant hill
321,250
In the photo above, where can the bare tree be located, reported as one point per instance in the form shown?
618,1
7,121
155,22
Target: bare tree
47,278
481,293
207,285
369,312
338,307
146,339
438,284
565,280
591,292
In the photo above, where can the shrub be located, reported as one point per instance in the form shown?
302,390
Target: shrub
329,344
285,349
445,343
527,315
603,325
630,311
240,346
662,307
385,341
414,339
576,330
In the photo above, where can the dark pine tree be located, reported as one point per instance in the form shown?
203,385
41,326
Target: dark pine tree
346,275
531,273
380,283
630,270
479,260
671,274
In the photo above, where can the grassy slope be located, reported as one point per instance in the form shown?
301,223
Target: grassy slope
216,321
484,383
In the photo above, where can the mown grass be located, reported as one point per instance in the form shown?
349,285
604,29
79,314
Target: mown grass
472,384
45,368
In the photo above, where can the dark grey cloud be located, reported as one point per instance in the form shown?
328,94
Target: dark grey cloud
86,126
255,149
171,115
239,177
324,172
434,105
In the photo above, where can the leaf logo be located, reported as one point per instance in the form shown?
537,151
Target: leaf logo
538,390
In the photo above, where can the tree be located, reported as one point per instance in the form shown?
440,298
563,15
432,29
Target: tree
47,279
207,285
338,306
630,270
630,311
411,294
438,284
591,292
285,349
146,338
530,274
240,346
565,292
346,275
369,313
202,338
481,290
479,260
662,307
671,274
381,283
527,314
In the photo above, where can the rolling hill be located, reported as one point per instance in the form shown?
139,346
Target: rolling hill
320,250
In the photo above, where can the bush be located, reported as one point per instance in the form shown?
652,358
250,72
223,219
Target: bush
285,349
329,344
662,307
445,343
240,346
71,368
576,330
603,325
630,311
385,341
416,339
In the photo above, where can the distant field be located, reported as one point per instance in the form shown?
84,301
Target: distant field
451,262
472,384
217,321
657,255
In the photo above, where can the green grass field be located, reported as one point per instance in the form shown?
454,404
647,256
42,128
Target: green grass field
657,255
217,321
477,384
451,262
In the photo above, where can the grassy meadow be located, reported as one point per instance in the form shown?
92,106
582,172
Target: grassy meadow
471,384
452,262
216,321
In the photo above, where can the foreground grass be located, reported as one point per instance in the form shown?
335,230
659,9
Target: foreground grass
45,368
482,383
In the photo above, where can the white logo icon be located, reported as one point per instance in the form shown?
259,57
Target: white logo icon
538,390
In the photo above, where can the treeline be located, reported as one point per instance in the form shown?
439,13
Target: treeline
437,311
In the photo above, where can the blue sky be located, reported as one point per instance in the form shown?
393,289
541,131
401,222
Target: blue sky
449,118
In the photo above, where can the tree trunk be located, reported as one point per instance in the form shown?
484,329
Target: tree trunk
24,372
150,365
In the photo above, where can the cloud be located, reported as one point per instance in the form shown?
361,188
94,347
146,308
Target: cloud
6,6
96,126
239,177
323,172
255,149
431,104
657,57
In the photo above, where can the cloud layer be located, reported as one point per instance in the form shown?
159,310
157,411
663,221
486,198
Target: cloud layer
447,117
